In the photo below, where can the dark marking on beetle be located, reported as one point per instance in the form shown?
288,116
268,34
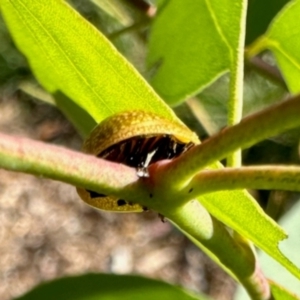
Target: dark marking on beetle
162,218
95,194
191,189
135,151
121,202
150,195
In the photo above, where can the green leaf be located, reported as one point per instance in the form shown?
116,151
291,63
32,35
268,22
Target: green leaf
68,55
193,44
108,287
240,211
290,247
282,39
259,15
280,293
81,119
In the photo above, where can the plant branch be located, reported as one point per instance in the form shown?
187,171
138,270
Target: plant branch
58,163
266,123
254,177
208,233
235,103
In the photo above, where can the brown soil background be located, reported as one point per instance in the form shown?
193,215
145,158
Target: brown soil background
47,232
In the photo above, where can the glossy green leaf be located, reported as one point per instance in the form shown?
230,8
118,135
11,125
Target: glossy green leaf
68,55
192,43
108,287
282,39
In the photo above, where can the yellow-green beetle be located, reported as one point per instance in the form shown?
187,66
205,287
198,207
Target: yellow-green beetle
136,139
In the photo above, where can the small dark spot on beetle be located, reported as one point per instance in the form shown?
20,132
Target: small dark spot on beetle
191,189
150,195
95,194
130,203
162,218
121,202
145,208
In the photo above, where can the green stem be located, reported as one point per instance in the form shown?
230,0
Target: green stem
235,103
249,131
257,177
228,250
25,155
257,46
